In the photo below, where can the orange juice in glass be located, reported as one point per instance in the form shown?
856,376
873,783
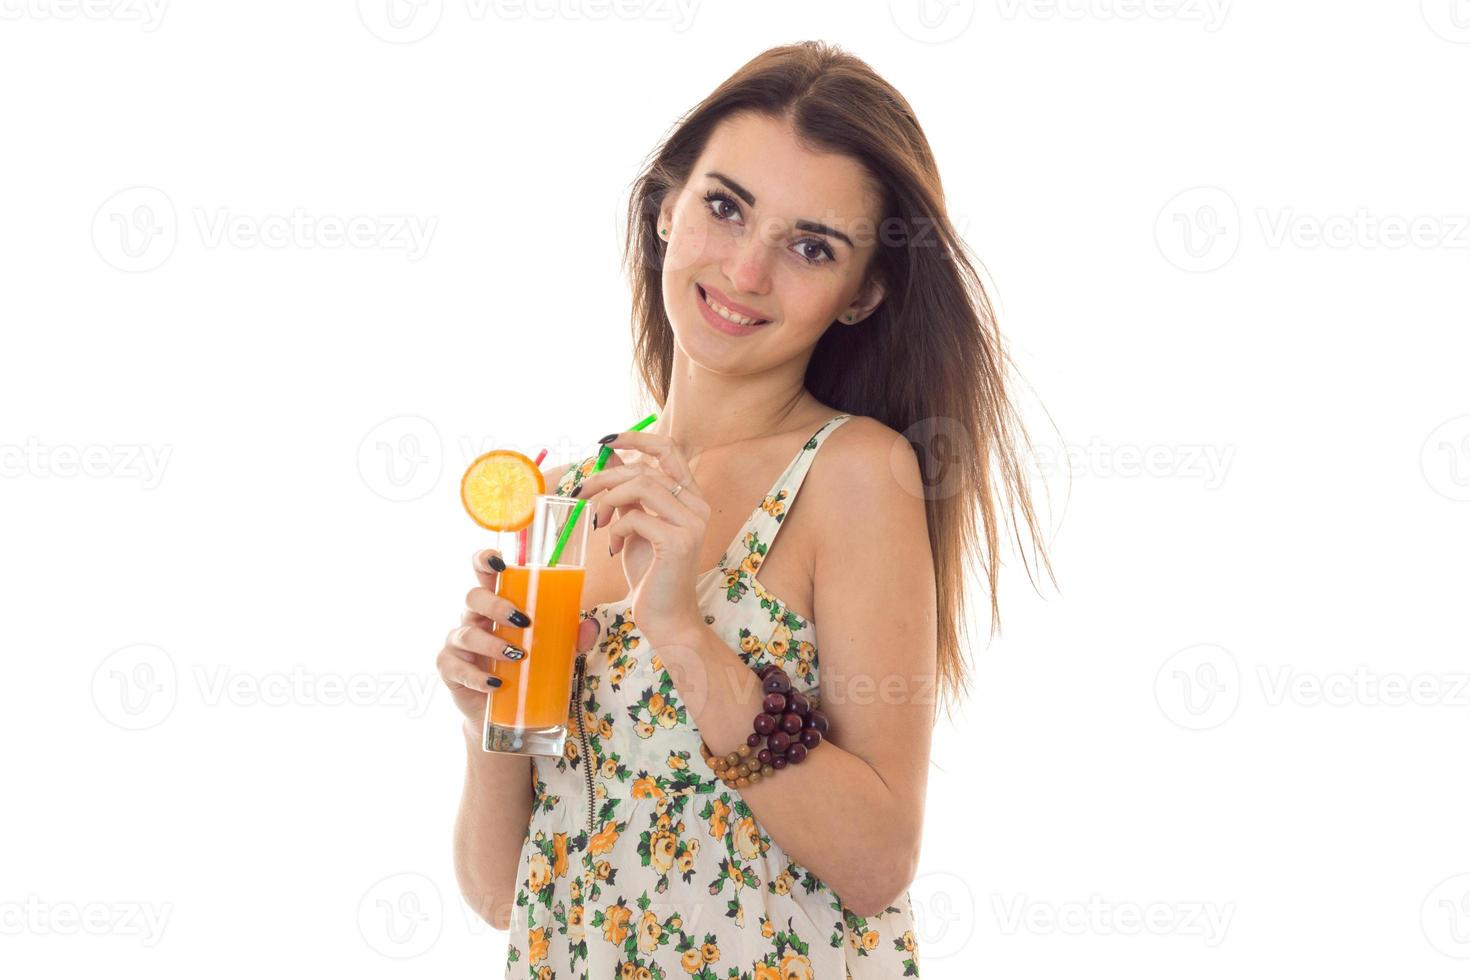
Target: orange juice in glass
528,713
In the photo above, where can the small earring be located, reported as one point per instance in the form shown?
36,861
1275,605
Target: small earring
664,232
848,318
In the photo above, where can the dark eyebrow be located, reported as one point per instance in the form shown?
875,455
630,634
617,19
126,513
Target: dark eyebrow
802,223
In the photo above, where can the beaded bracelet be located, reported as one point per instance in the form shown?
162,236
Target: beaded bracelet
789,723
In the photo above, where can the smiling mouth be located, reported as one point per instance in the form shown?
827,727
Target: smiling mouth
725,313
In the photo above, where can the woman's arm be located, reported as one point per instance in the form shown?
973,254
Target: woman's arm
852,811
494,812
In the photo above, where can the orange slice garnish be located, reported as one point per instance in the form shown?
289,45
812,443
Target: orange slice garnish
499,490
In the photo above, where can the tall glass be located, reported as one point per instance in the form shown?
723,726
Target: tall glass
529,712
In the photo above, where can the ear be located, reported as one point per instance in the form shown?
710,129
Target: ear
864,303
665,227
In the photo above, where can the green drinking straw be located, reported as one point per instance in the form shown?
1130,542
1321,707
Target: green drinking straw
566,532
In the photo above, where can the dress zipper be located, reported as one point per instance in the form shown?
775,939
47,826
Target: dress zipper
586,752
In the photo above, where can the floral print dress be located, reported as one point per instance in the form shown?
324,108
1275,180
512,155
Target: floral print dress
639,864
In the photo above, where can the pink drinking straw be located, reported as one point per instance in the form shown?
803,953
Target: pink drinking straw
521,535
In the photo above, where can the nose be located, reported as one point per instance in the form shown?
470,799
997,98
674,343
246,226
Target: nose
747,267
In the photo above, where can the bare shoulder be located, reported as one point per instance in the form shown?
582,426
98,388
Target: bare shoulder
865,455
868,476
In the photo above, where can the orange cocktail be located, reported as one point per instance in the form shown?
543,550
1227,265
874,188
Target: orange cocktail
535,692
528,712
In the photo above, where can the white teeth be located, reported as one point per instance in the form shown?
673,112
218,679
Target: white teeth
725,312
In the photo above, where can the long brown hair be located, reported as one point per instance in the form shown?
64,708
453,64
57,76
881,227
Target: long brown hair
928,362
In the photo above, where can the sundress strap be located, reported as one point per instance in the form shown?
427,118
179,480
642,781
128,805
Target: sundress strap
765,521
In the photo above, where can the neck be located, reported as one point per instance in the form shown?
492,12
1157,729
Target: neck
706,411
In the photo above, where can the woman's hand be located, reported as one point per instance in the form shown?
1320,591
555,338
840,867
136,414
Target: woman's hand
464,663
659,535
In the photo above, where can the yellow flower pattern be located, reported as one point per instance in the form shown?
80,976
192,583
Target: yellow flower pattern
638,863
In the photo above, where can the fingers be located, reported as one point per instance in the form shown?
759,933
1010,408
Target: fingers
587,634
487,573
456,670
651,486
662,448
471,642
661,534
496,608
651,493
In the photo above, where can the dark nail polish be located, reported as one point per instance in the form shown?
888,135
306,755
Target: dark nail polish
492,681
519,619
609,549
514,653
608,438
495,562
594,522
576,492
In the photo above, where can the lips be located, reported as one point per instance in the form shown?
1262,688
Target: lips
731,305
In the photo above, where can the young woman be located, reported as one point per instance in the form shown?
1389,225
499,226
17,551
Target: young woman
804,319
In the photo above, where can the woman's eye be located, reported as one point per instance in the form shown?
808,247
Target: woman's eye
820,252
715,201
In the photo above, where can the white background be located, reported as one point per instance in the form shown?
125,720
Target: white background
231,466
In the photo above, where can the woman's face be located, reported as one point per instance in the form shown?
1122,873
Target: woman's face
773,232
